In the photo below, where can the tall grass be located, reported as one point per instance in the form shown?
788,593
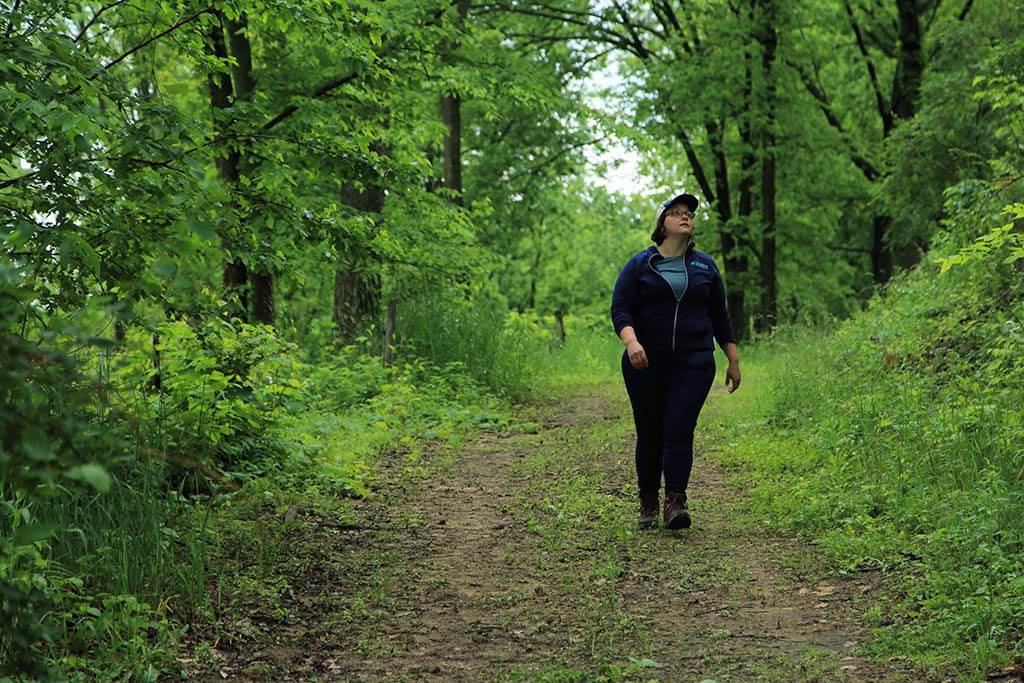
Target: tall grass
513,354
470,334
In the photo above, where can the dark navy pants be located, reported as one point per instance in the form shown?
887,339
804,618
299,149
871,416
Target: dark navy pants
667,397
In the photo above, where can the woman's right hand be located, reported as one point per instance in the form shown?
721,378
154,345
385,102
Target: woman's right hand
637,357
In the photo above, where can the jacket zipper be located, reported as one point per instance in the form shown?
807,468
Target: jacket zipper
675,314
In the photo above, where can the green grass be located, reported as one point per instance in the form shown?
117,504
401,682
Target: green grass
895,441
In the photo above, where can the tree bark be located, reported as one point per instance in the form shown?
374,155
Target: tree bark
357,280
881,254
769,282
261,280
262,297
389,332
356,291
451,116
234,272
906,82
733,260
906,87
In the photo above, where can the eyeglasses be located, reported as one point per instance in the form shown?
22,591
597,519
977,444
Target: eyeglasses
679,213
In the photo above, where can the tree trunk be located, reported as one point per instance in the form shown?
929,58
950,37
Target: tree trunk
357,280
906,82
732,259
261,281
235,276
451,116
389,332
906,90
356,291
769,283
881,254
560,326
262,297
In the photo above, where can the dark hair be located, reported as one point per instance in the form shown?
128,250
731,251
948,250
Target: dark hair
658,236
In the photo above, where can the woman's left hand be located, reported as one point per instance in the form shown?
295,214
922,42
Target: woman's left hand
732,375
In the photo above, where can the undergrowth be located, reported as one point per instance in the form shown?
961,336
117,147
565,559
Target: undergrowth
205,435
895,440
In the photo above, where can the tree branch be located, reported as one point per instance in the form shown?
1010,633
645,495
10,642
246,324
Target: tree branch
143,44
818,93
10,18
883,108
696,167
14,181
600,32
96,16
857,250
318,93
565,150
641,51
667,17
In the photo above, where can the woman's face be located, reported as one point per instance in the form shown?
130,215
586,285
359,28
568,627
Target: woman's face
678,221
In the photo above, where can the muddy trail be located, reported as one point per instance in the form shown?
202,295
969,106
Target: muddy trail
517,558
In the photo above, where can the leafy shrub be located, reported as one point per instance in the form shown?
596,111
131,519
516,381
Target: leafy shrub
52,429
213,393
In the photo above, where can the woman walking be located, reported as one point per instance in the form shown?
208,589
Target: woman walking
668,308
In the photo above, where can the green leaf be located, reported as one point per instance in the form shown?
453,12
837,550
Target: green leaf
33,533
36,444
165,268
91,474
84,250
206,231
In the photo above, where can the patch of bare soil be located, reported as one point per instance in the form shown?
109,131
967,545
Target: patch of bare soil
446,578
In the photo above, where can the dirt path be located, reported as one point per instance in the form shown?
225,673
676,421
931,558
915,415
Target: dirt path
517,559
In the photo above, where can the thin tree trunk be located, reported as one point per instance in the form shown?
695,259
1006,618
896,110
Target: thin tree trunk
881,254
733,261
261,281
235,276
357,280
769,282
389,332
451,116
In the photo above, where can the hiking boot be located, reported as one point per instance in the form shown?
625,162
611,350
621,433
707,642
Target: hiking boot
648,510
676,514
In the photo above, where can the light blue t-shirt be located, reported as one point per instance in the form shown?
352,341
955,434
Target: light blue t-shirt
673,269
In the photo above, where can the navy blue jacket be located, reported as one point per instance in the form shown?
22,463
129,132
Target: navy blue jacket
644,299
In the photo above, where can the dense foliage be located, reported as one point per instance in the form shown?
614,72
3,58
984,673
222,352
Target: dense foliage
207,207
895,439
